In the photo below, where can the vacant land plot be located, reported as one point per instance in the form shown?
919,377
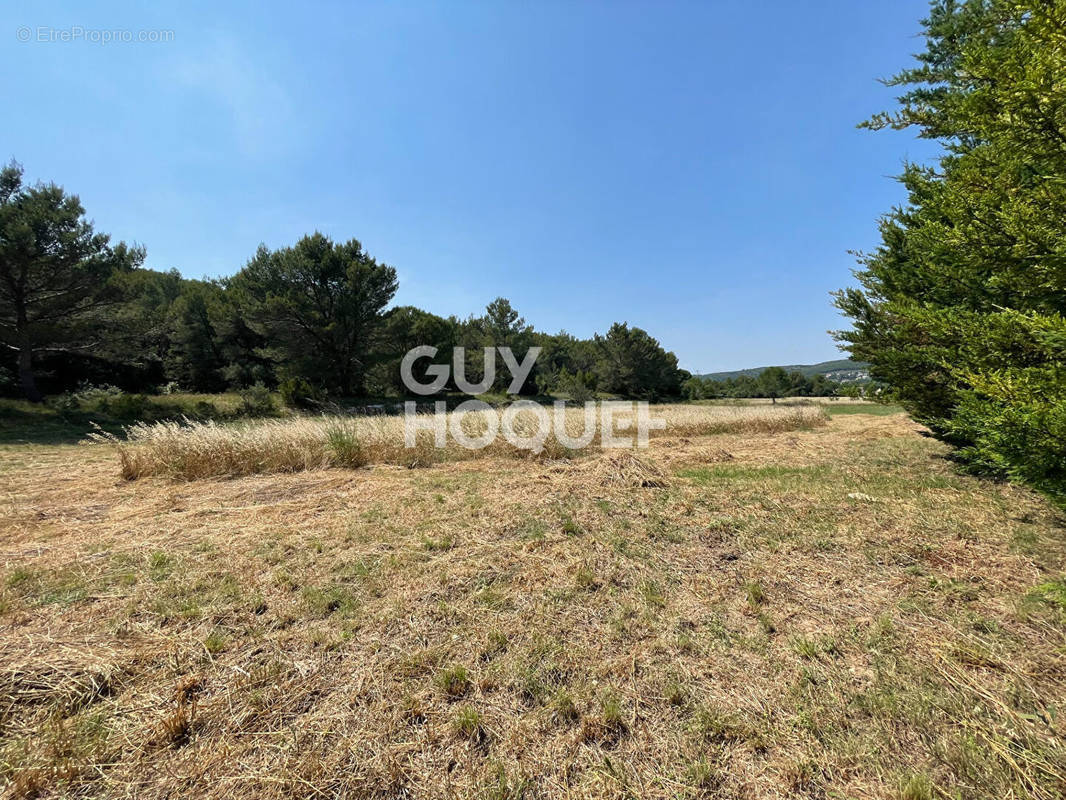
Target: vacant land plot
824,612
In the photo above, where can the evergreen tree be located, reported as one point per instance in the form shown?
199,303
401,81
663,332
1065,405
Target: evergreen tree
319,306
57,275
633,364
961,307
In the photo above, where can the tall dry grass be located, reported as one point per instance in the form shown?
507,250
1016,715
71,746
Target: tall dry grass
190,450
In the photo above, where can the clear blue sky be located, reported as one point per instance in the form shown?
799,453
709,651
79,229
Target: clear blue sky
692,168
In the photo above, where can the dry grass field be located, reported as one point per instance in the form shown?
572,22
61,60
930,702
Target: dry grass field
191,450
829,611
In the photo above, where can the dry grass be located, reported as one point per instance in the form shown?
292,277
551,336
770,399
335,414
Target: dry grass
193,450
829,612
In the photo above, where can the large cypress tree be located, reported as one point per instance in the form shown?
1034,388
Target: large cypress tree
961,306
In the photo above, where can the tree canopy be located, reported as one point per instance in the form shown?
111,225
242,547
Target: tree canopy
961,307
56,273
319,307
313,319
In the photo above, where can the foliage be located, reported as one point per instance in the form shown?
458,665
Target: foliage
297,393
56,273
257,401
633,364
310,319
773,383
961,307
777,384
499,326
404,328
319,306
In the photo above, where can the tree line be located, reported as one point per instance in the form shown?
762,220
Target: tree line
313,320
772,382
961,307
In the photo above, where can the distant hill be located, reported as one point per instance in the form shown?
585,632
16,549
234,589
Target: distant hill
843,369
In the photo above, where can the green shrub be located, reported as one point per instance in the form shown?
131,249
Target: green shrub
344,447
257,401
298,393
205,410
453,682
128,406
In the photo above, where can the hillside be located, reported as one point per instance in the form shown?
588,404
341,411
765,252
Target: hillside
843,369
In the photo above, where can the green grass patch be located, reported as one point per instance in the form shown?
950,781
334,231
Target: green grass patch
876,409
718,474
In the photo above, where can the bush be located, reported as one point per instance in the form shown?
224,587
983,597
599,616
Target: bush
9,386
1013,424
128,406
298,393
257,401
89,396
206,410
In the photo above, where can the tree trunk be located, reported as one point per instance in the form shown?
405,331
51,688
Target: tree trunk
29,383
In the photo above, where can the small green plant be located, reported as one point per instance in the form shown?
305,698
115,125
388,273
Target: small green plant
324,601
563,708
298,393
215,642
703,775
611,709
609,725
503,787
467,724
160,566
711,725
652,594
756,595
675,694
585,578
808,647
534,530
445,542
453,682
491,597
344,447
495,643
1051,594
917,787
20,577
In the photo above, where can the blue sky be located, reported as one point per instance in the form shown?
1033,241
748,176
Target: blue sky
692,168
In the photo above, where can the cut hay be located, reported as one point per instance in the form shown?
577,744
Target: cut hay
515,628
625,468
57,676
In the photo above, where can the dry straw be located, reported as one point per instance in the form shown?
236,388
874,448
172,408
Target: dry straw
190,450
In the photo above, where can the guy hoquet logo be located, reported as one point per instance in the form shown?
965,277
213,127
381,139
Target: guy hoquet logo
605,418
